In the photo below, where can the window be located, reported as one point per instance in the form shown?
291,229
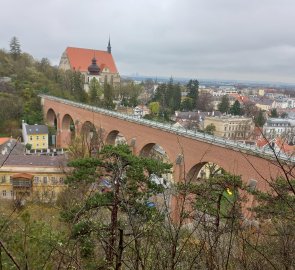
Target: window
10,179
43,137
36,179
3,179
11,193
45,180
61,180
31,138
53,180
37,137
4,193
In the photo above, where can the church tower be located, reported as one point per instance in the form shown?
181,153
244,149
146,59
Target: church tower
109,46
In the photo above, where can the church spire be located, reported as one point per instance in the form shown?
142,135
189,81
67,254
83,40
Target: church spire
109,46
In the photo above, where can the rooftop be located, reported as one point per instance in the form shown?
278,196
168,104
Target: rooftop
36,129
80,59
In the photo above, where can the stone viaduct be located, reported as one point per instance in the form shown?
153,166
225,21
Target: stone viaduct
188,151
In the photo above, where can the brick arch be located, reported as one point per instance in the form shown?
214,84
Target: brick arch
245,163
51,118
146,150
68,129
194,172
113,135
67,123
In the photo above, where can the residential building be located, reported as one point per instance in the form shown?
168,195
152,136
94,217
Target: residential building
232,127
265,104
275,127
35,135
92,64
278,145
141,111
28,177
192,120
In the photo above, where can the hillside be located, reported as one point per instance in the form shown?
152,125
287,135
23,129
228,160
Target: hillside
22,78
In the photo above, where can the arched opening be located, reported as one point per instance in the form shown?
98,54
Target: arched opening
155,151
92,138
68,128
51,120
203,171
115,138
214,192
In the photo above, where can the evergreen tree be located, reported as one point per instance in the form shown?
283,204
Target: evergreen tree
193,91
187,104
95,91
176,97
235,109
274,113
223,106
15,50
129,187
108,96
260,119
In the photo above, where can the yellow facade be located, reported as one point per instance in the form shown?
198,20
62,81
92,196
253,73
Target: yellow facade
38,141
233,127
46,185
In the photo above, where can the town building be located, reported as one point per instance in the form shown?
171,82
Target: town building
35,135
275,127
29,177
277,145
92,64
265,104
232,127
141,110
192,120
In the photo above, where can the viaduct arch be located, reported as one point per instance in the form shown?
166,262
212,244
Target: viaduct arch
187,154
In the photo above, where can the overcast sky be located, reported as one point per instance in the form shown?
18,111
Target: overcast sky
216,39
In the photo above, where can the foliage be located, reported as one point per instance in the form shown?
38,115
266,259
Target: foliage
95,91
123,188
223,106
15,50
193,91
259,120
108,96
210,129
128,92
154,108
204,102
169,97
187,104
274,113
236,109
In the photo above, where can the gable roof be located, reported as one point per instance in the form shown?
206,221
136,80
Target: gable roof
36,129
80,59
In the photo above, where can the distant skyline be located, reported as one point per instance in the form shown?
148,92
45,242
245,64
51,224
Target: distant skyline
204,39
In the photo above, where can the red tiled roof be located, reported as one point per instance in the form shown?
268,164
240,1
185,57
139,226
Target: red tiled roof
281,144
286,148
3,140
81,58
262,142
240,98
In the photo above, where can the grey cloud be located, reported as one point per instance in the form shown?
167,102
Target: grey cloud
230,39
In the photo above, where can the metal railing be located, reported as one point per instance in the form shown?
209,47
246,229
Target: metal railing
200,136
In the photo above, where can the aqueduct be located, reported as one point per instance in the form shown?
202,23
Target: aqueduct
186,150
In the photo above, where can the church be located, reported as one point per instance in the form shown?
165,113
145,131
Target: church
92,64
